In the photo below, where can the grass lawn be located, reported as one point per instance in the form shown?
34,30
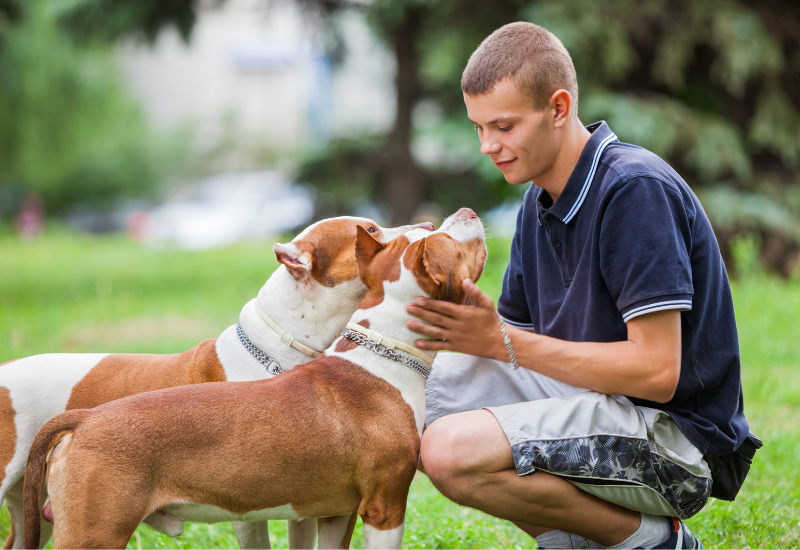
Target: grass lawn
70,292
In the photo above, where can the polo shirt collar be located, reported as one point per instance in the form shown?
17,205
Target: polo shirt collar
574,193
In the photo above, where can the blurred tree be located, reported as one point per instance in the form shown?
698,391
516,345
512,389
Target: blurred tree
113,19
713,87
431,40
10,12
405,25
67,129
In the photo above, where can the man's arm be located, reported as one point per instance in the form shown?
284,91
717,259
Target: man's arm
647,365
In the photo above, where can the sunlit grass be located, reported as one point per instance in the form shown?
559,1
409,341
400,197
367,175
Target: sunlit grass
69,292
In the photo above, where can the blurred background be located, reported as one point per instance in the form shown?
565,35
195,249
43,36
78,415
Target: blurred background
151,151
204,122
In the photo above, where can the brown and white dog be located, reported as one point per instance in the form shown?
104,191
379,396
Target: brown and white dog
311,297
330,438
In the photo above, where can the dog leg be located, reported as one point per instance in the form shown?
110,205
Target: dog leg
376,538
45,532
336,532
303,533
252,534
13,500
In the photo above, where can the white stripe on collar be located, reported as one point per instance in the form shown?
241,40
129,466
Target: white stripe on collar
285,336
391,343
589,177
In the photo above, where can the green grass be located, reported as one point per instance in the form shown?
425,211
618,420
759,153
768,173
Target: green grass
69,292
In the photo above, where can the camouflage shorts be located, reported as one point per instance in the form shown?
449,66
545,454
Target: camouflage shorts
632,456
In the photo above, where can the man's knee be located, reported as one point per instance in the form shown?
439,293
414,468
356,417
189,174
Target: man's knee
457,449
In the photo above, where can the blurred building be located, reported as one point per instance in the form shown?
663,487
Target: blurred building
259,67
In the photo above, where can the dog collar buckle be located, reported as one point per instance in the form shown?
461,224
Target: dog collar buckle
290,340
272,366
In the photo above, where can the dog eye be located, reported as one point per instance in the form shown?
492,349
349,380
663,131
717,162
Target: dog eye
371,229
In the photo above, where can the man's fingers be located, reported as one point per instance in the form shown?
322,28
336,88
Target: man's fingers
439,306
434,345
474,293
429,316
427,330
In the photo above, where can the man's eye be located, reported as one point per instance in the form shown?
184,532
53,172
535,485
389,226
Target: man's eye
504,128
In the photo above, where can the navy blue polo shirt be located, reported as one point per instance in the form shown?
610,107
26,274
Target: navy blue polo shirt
628,237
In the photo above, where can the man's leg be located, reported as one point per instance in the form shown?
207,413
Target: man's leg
468,458
462,383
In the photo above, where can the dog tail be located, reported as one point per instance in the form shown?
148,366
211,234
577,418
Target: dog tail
50,434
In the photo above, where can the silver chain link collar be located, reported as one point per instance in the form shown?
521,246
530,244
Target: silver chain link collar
269,363
372,345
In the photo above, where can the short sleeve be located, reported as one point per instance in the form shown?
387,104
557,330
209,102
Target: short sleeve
645,239
513,305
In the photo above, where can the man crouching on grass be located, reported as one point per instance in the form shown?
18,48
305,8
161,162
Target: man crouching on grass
616,304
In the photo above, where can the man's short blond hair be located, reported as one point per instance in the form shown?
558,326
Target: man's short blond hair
532,56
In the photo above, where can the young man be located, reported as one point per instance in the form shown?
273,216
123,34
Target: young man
616,304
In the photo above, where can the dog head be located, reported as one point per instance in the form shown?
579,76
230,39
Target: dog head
317,288
422,262
323,252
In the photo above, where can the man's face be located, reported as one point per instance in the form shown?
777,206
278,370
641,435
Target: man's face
518,139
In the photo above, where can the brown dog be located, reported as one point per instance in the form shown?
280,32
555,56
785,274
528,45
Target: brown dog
329,438
310,296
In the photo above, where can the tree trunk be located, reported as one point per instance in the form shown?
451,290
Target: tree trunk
404,181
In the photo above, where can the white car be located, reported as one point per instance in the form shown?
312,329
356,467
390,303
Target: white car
228,208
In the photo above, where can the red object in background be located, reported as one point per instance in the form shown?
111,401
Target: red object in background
30,220
136,224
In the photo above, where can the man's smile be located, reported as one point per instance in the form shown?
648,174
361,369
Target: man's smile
503,163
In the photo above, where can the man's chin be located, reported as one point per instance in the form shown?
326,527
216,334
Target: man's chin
517,180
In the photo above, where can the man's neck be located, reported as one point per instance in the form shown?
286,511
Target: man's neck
575,138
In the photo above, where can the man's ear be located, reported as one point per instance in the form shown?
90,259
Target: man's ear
299,258
561,103
429,275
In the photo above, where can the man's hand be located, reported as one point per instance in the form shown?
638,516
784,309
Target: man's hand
473,329
646,365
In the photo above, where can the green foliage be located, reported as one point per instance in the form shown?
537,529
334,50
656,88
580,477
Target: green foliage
714,76
112,19
69,292
67,129
346,172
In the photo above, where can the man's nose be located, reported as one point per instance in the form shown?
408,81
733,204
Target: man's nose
490,147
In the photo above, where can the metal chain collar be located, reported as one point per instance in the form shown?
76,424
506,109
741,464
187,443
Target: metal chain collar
372,345
269,363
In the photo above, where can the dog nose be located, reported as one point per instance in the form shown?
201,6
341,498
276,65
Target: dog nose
427,225
467,212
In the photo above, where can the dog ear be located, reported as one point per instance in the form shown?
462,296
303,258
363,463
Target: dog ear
297,257
366,248
428,273
366,245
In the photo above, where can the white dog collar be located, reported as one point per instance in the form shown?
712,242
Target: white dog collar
391,343
285,336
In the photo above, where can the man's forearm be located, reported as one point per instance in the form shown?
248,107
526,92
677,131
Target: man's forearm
646,365
618,368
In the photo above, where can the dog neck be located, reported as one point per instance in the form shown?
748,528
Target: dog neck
311,313
389,319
